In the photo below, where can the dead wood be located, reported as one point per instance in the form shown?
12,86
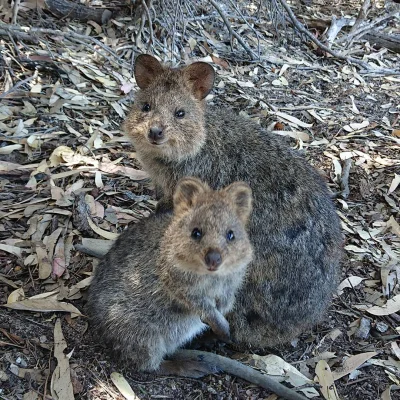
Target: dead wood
380,39
80,12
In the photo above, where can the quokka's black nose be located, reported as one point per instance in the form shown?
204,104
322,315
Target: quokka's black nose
156,135
213,259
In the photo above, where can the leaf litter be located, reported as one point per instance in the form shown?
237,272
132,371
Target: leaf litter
70,178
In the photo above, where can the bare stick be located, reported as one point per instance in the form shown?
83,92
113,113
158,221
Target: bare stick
15,11
344,180
300,27
232,32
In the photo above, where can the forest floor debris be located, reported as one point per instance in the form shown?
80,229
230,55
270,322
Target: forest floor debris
69,177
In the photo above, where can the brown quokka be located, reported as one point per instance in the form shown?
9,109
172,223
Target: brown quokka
168,275
294,229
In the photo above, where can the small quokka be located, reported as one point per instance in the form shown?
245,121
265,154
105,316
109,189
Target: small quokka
168,276
294,229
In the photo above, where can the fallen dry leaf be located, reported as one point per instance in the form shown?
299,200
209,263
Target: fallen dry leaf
61,385
123,386
396,133
350,282
391,306
277,367
352,363
394,225
43,261
219,61
386,395
395,349
8,282
102,232
395,182
293,120
325,379
16,295
17,251
58,265
38,375
294,134
44,305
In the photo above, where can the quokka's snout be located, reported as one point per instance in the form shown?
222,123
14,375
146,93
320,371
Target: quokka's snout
213,259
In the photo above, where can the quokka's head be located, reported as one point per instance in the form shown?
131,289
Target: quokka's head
208,233
167,118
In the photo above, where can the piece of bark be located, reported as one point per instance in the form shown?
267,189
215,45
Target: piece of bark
80,215
68,9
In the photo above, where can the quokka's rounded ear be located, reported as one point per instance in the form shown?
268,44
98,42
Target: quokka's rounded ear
146,69
241,196
186,192
200,76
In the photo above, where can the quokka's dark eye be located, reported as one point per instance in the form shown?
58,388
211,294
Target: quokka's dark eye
146,107
179,113
230,236
196,234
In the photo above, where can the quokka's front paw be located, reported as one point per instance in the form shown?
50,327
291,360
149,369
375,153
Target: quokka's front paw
220,327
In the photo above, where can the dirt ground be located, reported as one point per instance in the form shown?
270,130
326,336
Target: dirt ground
78,100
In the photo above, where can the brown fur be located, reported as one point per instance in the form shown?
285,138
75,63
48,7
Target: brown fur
152,292
294,228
